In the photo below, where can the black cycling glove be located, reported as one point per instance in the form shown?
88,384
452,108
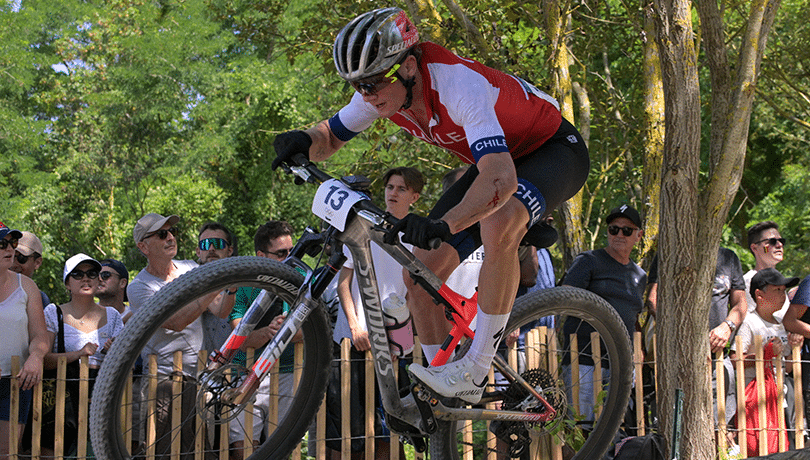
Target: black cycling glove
288,144
419,231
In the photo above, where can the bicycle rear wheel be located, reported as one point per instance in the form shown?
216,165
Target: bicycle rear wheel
124,422
561,365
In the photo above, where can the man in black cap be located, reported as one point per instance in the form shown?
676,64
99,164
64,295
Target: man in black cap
112,286
612,274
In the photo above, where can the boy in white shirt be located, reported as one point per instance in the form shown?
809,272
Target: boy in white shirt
768,289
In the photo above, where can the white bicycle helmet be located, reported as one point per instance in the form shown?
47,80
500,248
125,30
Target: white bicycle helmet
373,43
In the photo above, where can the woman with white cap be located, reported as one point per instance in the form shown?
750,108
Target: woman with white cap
22,327
87,327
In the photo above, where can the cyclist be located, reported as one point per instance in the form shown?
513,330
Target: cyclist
526,160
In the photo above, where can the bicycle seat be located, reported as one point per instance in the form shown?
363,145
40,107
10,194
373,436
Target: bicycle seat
540,235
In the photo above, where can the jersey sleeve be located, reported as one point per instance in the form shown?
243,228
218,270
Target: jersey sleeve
352,119
472,106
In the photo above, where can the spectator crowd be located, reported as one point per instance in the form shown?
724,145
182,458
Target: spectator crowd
103,297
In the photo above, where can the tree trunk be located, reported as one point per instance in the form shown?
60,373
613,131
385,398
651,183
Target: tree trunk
556,19
654,137
691,218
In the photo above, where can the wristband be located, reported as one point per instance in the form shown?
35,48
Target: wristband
731,325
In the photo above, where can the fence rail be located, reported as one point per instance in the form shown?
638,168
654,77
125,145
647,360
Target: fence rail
314,446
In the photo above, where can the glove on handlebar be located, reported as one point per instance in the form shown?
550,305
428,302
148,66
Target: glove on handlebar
288,144
419,231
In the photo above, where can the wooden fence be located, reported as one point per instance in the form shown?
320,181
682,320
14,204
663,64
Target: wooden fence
316,448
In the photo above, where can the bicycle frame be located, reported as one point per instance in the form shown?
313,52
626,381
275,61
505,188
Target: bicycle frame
367,223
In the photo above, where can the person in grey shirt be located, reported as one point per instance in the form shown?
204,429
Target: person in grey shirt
154,236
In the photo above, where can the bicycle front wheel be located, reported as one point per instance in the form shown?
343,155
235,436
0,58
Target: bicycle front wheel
573,348
169,413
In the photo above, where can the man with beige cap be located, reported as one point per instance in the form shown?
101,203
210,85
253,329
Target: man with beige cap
28,258
154,236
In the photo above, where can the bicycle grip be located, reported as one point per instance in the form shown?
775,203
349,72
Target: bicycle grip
434,243
300,159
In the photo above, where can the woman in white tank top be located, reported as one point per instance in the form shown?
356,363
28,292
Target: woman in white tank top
22,326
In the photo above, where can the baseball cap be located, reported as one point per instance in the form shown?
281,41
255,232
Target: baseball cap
116,265
770,276
74,262
29,244
626,211
151,222
4,230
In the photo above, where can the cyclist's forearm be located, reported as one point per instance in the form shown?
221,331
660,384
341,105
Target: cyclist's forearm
324,142
490,190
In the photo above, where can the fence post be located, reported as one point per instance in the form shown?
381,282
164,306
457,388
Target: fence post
369,405
780,398
345,398
742,421
638,360
798,396
720,385
597,373
61,375
14,409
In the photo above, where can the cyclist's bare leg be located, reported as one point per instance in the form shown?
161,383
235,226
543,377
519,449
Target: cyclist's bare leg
498,281
428,318
501,234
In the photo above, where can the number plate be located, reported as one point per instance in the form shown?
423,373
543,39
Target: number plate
333,202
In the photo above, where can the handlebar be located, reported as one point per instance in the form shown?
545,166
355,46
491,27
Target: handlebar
308,171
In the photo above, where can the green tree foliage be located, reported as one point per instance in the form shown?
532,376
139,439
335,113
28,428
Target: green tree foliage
112,109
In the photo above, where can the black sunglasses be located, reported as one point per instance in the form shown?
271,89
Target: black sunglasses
375,84
281,253
162,233
4,243
106,275
772,241
626,231
21,259
216,243
79,274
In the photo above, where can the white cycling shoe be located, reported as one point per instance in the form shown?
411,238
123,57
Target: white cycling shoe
453,380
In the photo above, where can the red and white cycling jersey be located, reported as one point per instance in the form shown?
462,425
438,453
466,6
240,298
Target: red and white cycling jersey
473,109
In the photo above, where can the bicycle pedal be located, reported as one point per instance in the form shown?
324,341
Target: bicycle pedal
424,400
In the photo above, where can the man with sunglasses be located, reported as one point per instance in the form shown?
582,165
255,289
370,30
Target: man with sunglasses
215,241
28,258
112,286
272,240
768,248
155,237
612,274
526,160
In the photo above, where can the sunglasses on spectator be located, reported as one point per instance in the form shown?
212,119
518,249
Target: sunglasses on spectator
373,85
162,233
4,243
106,275
772,241
281,253
626,231
21,259
79,274
216,243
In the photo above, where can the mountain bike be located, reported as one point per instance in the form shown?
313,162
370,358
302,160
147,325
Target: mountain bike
522,404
